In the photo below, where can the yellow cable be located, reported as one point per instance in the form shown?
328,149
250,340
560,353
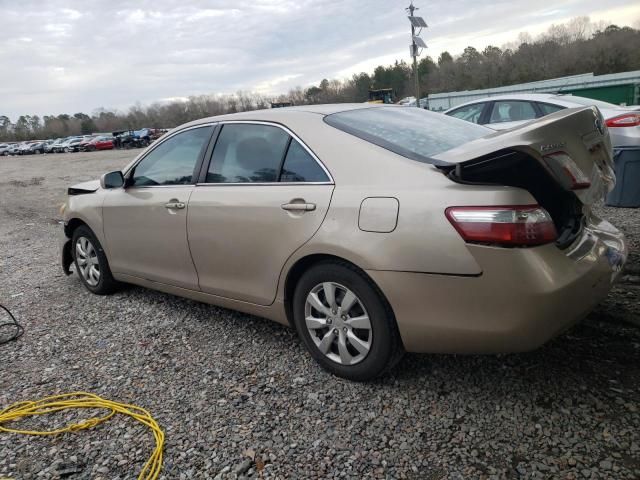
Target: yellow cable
57,403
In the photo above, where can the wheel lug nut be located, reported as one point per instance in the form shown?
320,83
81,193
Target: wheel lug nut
344,317
344,329
335,331
329,321
333,311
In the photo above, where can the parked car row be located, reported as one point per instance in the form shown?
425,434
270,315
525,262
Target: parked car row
137,138
78,144
59,145
24,148
85,143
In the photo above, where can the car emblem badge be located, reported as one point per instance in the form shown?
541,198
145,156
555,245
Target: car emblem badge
599,125
552,146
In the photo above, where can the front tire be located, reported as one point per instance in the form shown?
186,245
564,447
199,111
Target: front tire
91,262
345,322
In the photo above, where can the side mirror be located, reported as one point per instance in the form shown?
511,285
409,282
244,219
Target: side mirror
112,180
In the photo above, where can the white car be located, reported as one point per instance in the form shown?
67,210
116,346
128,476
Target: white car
406,101
507,111
23,148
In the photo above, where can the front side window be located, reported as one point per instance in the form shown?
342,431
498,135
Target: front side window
470,113
512,111
247,153
173,161
299,166
414,133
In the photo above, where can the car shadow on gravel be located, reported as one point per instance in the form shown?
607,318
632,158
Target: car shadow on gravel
598,354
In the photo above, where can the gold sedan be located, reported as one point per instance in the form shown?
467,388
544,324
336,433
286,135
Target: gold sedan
373,230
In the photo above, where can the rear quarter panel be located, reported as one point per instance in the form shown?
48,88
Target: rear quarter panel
423,240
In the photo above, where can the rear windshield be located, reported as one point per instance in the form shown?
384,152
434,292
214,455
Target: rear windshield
412,132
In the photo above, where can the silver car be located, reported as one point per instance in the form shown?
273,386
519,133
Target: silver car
507,111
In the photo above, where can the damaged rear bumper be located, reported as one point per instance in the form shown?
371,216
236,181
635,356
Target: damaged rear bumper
524,297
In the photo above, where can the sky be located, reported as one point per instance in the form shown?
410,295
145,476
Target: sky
65,56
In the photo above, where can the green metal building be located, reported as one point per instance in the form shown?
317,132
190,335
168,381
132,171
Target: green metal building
618,88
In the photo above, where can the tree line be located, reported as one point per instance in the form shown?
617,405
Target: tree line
579,46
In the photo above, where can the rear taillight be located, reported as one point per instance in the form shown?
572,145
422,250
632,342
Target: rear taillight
523,225
566,170
626,120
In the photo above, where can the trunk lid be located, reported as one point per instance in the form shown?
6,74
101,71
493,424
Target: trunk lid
579,133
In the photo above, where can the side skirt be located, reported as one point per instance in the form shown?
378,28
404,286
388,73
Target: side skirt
275,311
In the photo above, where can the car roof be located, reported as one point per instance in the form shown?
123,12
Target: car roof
534,97
281,114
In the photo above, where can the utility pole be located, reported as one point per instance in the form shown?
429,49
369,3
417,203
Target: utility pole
417,23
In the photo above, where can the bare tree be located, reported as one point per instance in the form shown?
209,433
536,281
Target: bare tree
578,46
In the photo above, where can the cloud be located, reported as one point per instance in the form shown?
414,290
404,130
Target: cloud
268,86
71,14
66,56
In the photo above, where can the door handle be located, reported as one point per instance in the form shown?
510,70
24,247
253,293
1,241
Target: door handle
175,205
299,207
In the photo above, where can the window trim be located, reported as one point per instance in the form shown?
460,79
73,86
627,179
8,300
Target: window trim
209,157
127,173
284,158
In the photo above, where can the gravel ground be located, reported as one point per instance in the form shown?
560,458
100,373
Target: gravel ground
238,396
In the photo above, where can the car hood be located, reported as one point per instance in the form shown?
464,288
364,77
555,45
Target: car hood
85,187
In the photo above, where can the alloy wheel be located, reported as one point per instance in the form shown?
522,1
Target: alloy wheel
87,261
338,323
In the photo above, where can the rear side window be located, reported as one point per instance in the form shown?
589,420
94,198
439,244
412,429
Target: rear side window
547,108
246,153
470,113
512,111
412,132
299,166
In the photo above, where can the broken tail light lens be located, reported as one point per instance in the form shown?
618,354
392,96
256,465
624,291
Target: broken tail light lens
567,171
523,225
626,120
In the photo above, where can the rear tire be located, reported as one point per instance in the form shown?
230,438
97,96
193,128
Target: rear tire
357,338
91,262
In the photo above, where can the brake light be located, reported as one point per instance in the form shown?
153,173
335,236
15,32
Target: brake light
522,225
626,120
566,170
